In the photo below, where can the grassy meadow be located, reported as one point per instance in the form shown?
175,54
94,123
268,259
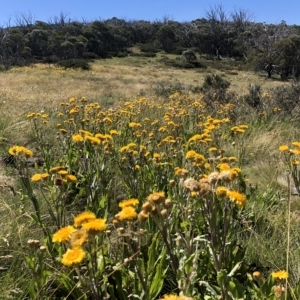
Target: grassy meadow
129,181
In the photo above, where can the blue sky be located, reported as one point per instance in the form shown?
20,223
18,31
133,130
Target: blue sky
269,11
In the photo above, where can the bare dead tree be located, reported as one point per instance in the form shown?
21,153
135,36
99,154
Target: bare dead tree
24,20
218,21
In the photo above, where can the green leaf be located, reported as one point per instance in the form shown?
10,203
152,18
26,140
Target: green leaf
221,278
266,288
236,289
235,268
158,280
188,264
152,251
117,275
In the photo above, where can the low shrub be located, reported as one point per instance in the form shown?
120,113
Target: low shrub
74,64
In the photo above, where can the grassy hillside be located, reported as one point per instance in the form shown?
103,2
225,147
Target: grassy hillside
126,129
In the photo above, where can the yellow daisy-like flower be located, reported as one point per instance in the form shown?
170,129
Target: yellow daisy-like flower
63,173
39,177
129,202
223,167
55,170
62,235
20,150
15,150
283,148
84,133
26,152
95,226
71,178
295,151
157,197
191,154
113,132
84,218
221,191
280,275
238,198
78,238
297,144
181,172
212,149
128,213
77,138
93,140
73,257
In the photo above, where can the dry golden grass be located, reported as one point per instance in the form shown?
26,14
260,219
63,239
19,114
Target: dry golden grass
42,86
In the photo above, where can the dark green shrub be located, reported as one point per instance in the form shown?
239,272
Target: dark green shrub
74,64
178,50
286,98
148,54
90,55
215,82
148,48
179,63
121,54
215,88
165,89
254,97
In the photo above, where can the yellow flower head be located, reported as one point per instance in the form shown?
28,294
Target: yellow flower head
128,213
95,226
78,238
83,218
63,173
39,177
62,235
56,169
238,198
73,257
77,138
71,178
297,144
283,148
223,167
92,140
181,172
280,275
20,150
221,191
129,202
295,151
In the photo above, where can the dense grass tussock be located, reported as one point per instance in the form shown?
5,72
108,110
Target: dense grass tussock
153,197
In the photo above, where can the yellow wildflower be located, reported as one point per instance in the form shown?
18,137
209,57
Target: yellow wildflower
129,202
236,197
280,275
73,257
71,178
78,238
39,177
62,235
283,148
83,218
128,213
95,226
77,138
221,191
